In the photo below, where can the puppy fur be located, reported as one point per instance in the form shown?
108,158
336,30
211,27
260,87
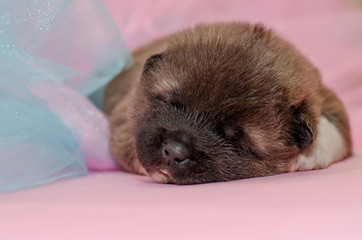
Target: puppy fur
242,101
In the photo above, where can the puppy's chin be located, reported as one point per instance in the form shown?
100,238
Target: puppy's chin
161,176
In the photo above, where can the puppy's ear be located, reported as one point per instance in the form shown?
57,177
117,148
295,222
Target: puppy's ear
303,126
151,62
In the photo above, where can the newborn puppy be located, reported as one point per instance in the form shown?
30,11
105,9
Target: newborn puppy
222,102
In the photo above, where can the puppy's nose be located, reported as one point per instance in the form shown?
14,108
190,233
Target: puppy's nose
174,152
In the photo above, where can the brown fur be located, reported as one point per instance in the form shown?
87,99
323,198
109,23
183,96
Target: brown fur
247,102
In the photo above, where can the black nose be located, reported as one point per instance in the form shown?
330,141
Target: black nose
174,152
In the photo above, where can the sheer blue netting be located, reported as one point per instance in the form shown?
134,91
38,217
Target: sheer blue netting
47,46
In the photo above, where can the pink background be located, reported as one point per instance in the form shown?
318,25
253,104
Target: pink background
323,204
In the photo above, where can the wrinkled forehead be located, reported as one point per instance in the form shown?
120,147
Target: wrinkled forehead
214,73
217,84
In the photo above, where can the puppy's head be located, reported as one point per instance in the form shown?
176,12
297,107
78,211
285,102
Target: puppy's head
224,102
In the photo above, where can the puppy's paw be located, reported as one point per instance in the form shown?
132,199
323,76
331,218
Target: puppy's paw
329,148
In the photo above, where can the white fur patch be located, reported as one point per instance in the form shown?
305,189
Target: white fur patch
329,148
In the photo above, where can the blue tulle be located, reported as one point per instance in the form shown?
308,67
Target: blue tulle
72,43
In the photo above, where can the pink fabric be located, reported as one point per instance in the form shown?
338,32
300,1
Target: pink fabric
323,204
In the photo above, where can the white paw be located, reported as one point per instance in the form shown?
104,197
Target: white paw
329,148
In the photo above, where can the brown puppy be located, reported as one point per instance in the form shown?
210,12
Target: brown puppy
223,102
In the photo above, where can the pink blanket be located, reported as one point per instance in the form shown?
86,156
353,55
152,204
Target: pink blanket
323,204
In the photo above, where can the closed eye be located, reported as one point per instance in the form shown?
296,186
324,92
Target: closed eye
178,105
163,100
159,99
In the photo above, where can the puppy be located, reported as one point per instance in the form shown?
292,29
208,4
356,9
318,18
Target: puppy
222,102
